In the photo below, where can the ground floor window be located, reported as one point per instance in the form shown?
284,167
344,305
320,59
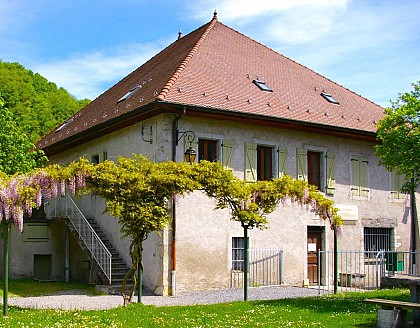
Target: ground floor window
377,239
238,254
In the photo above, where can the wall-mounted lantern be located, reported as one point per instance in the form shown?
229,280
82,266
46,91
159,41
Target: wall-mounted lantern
190,154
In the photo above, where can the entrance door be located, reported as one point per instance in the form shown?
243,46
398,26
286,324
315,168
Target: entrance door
314,244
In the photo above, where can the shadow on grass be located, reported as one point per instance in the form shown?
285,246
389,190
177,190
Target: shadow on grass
31,287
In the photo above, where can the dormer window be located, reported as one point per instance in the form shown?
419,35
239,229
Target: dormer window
329,98
262,85
129,93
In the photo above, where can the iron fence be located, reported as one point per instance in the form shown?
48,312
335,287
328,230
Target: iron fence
362,270
266,268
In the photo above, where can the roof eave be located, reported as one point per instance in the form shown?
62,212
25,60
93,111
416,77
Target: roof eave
223,114
157,107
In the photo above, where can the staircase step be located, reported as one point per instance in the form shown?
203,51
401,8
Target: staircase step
119,267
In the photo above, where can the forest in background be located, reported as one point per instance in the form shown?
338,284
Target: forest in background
38,106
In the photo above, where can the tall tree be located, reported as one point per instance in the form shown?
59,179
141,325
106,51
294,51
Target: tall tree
37,104
18,154
399,136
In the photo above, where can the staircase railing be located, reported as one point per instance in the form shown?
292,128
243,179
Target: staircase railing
66,207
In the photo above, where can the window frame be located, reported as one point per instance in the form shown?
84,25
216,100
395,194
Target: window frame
396,183
382,235
262,153
215,145
327,187
238,253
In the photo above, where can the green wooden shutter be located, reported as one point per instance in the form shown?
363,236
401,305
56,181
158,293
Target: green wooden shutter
227,154
103,156
355,176
394,186
193,144
283,168
250,161
301,164
330,167
364,178
35,232
397,182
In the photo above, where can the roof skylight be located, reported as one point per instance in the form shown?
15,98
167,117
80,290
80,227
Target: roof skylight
262,85
129,93
330,98
62,126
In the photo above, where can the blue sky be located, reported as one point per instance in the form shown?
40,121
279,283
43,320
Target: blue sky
371,47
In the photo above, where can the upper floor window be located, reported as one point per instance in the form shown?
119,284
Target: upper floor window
212,150
317,168
259,162
207,150
359,176
99,158
397,181
314,169
264,163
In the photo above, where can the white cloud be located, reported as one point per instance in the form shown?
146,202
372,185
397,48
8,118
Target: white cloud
291,21
237,10
88,75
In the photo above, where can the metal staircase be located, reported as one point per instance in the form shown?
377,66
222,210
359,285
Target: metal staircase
105,259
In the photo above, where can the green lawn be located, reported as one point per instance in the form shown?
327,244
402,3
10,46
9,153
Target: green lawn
342,310
30,287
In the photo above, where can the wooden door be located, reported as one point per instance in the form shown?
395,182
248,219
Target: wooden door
314,243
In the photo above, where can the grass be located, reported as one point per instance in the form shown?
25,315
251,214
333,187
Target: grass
30,287
342,310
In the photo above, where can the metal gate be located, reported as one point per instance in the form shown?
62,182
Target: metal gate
266,268
361,270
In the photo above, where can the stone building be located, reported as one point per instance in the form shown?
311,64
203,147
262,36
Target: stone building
259,113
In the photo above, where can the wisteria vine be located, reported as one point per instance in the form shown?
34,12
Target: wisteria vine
20,194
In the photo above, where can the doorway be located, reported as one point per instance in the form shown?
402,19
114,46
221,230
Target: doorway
314,244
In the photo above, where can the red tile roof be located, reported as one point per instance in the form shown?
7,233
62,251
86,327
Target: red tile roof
213,68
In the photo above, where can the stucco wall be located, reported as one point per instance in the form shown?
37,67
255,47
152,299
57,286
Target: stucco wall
21,252
137,139
203,236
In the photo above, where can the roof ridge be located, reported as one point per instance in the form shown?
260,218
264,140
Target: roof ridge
185,62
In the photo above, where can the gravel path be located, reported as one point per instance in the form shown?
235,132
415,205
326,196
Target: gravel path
77,300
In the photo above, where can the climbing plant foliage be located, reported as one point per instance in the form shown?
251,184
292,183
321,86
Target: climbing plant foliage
138,193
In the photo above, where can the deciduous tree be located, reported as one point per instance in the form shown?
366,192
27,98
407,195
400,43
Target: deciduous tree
17,154
399,136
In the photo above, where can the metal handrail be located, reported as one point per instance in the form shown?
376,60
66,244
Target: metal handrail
97,249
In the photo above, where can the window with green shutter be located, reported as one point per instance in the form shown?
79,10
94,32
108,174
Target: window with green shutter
208,150
250,161
35,232
330,173
283,167
360,176
301,164
397,181
227,154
